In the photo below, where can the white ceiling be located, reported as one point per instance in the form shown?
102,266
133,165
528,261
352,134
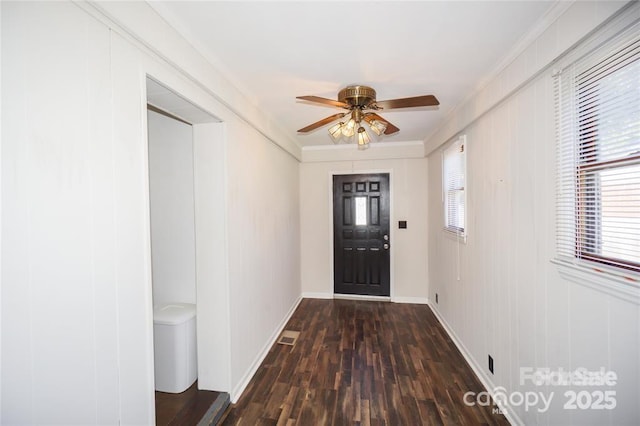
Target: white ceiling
275,51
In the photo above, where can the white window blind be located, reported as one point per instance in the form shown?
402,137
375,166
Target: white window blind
598,131
454,182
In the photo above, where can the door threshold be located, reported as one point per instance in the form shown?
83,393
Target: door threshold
362,297
216,410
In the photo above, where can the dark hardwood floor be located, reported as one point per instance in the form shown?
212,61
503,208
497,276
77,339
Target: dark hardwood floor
186,408
367,363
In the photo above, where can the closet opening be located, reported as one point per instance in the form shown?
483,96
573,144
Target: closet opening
180,200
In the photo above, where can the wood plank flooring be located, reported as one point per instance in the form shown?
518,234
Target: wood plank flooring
365,363
186,408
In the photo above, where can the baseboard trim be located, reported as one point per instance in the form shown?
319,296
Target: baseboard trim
511,416
312,295
411,300
242,385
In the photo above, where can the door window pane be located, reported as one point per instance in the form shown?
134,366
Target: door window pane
361,211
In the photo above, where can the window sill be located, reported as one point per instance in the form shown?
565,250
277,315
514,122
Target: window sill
455,235
625,287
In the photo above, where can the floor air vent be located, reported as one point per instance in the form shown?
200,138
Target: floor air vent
288,337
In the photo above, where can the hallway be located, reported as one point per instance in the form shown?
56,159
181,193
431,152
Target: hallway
365,363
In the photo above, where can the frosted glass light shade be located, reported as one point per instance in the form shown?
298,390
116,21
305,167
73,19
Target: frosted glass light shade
349,129
336,131
378,126
363,138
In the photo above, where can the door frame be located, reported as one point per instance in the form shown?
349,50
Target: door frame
392,234
212,314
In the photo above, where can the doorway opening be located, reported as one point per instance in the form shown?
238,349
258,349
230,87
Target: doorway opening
177,132
361,234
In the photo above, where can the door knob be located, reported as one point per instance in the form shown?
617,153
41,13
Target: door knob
385,237
386,246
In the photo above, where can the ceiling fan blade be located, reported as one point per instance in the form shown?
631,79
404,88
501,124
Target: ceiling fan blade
322,122
390,127
417,101
319,100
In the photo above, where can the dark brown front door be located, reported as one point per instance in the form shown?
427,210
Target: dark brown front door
361,234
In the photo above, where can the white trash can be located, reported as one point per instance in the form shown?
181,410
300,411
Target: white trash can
174,345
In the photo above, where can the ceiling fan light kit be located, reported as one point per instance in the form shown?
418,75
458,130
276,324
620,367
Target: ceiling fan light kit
361,103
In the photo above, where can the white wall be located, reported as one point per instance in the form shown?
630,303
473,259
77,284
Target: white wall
212,266
264,246
409,281
60,242
172,209
510,300
76,260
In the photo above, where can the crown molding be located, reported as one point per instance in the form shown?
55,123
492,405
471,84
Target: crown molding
376,151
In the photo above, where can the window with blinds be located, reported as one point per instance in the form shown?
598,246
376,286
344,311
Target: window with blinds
598,129
454,181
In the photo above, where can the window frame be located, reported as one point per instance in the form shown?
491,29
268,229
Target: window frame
588,234
589,213
587,218
461,143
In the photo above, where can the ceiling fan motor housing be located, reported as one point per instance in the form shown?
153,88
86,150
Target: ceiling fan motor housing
357,96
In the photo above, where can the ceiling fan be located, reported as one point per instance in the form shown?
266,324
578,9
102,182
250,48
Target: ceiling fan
361,105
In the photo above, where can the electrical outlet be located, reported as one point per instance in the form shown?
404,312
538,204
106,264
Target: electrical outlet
436,297
491,364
